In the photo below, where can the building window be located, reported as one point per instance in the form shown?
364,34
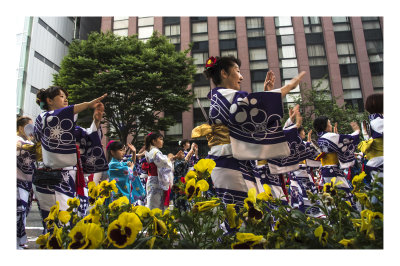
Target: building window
47,61
226,29
172,29
120,26
374,42
145,27
287,55
53,32
312,24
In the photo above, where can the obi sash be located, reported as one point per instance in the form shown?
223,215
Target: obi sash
215,134
371,148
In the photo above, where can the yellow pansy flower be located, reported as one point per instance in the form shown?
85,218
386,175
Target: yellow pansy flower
204,165
118,203
92,217
330,187
232,217
141,211
159,227
55,241
73,203
346,242
266,195
194,189
190,175
53,214
64,216
250,204
42,240
363,199
86,236
204,205
358,178
321,234
247,241
150,242
123,231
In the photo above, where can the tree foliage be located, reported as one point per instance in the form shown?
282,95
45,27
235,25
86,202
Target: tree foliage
316,102
142,79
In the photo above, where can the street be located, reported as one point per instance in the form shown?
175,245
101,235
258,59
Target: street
34,226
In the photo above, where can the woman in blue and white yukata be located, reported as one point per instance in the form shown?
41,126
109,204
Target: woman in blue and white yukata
337,152
58,135
243,127
25,165
373,147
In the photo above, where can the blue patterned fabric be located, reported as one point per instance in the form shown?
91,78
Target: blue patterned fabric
23,205
127,180
255,132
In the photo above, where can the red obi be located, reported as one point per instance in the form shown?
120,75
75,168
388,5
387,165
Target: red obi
152,170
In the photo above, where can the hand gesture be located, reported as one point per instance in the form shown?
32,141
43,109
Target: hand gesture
269,81
309,136
98,112
292,84
131,147
193,146
93,103
335,130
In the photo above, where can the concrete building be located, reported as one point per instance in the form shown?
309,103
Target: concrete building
345,52
44,43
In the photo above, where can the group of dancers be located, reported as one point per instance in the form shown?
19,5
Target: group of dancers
247,141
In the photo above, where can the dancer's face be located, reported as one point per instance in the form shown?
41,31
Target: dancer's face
232,79
159,142
58,102
118,154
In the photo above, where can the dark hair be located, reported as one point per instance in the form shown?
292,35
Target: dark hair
23,121
300,128
225,63
50,92
114,146
374,103
320,123
150,137
183,142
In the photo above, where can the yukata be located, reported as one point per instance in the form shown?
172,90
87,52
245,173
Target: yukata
159,180
127,180
25,166
373,148
272,172
243,127
192,160
181,167
337,154
58,134
302,180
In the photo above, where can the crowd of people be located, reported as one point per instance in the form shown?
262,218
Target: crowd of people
56,159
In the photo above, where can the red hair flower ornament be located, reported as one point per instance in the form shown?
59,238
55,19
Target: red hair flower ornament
211,62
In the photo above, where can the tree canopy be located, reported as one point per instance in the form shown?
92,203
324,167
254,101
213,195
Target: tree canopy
142,79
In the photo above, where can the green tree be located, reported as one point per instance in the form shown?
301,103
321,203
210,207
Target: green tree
142,79
316,101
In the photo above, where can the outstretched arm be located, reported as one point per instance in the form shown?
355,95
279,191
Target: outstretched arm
292,84
92,104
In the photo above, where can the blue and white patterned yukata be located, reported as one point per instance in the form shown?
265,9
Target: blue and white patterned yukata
255,132
58,134
25,166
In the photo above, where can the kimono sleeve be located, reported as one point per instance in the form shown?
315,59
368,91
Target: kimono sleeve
55,131
164,168
91,149
255,126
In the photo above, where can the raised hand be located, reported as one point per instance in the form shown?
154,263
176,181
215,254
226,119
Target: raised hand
335,130
131,147
292,84
309,136
354,126
93,103
269,81
98,112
